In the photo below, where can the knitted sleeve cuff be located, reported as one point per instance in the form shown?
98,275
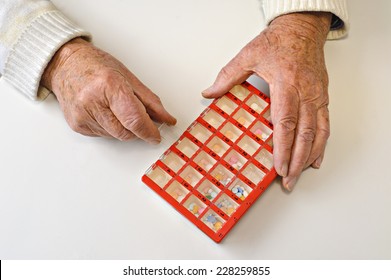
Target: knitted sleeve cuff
340,21
32,52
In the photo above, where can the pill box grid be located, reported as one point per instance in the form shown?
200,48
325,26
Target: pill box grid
221,164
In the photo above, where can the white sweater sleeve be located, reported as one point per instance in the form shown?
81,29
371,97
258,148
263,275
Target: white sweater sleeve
340,22
31,31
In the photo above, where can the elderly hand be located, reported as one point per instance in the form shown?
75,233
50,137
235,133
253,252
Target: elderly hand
101,97
288,54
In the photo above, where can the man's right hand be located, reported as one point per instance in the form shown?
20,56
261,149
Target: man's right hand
101,97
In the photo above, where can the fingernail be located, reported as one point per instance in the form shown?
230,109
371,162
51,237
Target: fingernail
318,162
155,141
284,170
207,91
173,121
291,184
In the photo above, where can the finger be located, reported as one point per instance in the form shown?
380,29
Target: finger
318,162
87,132
232,74
111,125
304,138
151,101
322,134
131,113
83,122
284,110
97,130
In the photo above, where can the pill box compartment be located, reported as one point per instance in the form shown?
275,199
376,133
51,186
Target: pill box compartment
213,220
249,145
187,147
253,173
191,176
231,132
200,132
243,117
222,175
177,191
158,175
213,118
261,130
226,105
173,161
208,189
226,204
267,115
218,146
240,189
234,159
194,205
265,158
240,92
204,161
256,103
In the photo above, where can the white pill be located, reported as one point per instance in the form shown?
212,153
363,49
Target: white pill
254,106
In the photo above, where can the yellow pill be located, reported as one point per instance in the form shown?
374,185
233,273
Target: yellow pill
230,211
241,120
254,106
216,148
258,133
219,176
218,225
195,209
189,178
229,134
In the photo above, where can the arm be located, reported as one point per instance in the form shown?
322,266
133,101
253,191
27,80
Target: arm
31,31
289,55
338,8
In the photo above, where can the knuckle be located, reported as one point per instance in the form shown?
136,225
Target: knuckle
153,100
307,135
107,76
114,128
77,127
94,90
318,87
325,77
85,97
288,124
325,133
124,135
78,119
73,125
156,99
225,72
136,124
78,123
228,71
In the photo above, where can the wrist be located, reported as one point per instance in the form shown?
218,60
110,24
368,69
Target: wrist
55,66
307,24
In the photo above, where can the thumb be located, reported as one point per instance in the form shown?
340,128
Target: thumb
230,75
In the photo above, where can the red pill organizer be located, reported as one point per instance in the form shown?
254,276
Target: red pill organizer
221,164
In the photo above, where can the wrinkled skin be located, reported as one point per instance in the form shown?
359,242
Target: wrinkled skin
101,97
288,54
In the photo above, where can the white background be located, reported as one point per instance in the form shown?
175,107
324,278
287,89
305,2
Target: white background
66,196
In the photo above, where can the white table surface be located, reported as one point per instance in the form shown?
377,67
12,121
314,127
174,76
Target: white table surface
66,196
